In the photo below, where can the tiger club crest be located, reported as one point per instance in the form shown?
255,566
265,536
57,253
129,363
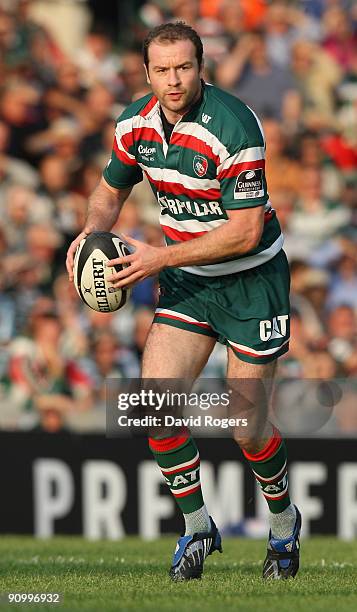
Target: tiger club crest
200,165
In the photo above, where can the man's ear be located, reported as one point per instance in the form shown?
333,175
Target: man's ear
147,75
202,67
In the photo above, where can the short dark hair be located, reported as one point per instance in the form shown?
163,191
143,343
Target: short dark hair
170,32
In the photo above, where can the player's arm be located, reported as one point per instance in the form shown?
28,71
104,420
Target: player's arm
238,236
104,207
235,238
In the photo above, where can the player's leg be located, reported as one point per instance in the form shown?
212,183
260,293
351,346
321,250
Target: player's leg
175,353
265,450
171,352
251,313
260,439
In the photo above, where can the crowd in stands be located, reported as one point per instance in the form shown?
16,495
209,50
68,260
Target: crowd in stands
294,63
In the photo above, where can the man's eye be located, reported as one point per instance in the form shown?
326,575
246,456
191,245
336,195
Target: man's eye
185,67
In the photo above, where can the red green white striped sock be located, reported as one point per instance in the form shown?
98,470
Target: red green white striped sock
270,470
179,461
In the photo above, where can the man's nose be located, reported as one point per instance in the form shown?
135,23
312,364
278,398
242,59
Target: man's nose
174,78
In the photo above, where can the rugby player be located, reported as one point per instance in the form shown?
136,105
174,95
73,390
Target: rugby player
223,274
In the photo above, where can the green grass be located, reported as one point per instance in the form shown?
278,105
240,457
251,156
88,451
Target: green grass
131,575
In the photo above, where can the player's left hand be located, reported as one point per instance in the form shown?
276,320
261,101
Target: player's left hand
145,261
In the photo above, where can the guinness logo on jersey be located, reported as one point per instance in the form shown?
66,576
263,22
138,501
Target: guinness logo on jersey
249,184
200,165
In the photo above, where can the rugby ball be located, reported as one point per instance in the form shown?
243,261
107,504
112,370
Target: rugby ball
91,273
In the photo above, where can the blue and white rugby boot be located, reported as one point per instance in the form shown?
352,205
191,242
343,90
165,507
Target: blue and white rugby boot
282,560
191,552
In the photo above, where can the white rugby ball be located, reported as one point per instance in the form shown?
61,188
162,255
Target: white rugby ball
91,273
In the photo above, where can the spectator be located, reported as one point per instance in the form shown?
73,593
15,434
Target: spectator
250,75
309,286
283,202
52,411
99,107
96,59
55,176
339,41
314,288
67,21
109,360
312,155
326,218
13,170
344,286
68,80
18,212
283,172
61,139
312,414
283,26
74,339
42,243
230,15
37,367
21,38
132,73
187,11
341,327
19,109
316,75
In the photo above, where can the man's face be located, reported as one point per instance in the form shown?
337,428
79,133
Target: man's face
174,75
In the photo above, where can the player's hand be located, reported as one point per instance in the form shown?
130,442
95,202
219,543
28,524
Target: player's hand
72,249
145,261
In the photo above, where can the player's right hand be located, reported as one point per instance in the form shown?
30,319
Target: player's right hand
72,249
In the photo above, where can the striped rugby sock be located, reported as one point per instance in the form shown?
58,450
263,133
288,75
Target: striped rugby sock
270,470
179,461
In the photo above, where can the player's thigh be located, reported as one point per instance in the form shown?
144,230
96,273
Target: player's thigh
171,352
242,369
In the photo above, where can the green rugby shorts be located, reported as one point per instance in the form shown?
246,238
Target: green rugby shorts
248,311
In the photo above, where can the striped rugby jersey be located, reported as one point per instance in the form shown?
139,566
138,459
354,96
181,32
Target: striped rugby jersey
214,162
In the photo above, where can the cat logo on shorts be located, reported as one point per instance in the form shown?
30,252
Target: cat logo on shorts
270,330
200,165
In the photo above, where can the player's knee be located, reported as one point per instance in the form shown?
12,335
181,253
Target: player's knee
249,439
250,446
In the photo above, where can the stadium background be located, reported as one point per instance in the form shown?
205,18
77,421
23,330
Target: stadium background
67,69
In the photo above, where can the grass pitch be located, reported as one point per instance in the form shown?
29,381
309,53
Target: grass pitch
131,575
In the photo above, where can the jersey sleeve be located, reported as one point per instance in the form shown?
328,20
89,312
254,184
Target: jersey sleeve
122,170
242,175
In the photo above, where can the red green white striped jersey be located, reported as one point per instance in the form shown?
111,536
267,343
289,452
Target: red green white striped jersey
214,162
